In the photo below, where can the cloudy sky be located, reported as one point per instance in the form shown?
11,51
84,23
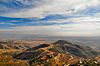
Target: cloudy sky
50,17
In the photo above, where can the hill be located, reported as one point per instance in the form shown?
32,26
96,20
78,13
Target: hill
59,53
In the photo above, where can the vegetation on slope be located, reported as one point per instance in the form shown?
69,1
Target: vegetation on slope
61,53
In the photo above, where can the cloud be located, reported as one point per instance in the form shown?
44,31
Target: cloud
12,6
61,7
49,20
55,30
86,19
90,10
50,17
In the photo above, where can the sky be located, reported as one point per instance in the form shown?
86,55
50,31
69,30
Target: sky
49,18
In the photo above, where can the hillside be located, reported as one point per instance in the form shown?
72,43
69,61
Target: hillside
60,53
47,55
20,44
78,50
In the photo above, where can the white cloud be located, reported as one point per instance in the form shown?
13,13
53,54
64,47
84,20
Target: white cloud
85,29
63,7
85,25
2,22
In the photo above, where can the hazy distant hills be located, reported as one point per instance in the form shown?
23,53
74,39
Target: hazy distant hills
78,50
20,44
75,49
13,45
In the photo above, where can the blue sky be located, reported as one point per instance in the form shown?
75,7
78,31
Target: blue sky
50,17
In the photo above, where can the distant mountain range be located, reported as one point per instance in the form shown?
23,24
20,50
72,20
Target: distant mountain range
20,44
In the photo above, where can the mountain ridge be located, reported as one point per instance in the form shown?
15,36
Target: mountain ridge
60,52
